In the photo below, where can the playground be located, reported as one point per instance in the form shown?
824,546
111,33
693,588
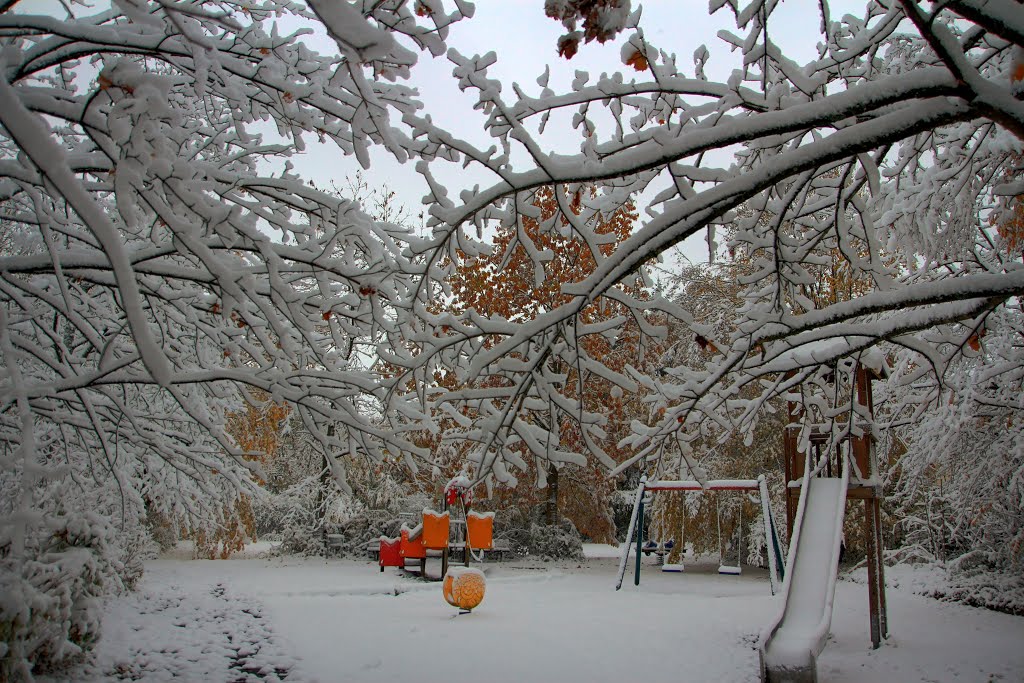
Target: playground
438,601
306,620
388,617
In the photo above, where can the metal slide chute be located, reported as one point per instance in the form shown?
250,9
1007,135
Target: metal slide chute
791,645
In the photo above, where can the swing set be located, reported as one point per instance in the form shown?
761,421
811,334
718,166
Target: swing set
644,497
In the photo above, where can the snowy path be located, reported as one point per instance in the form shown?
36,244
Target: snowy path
340,620
196,629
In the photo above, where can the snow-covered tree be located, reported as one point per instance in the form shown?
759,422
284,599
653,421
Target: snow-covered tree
960,483
503,284
154,269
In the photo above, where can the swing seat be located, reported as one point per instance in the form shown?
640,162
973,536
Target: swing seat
726,569
672,568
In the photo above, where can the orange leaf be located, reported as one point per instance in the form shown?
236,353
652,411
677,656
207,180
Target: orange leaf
638,61
567,46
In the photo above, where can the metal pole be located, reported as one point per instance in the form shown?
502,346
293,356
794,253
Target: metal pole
444,553
465,540
629,534
639,542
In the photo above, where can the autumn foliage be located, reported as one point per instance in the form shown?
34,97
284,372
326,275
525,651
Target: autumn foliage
257,430
1010,222
596,18
504,283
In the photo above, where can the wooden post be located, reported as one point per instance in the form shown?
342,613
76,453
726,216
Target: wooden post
874,569
867,462
865,467
883,616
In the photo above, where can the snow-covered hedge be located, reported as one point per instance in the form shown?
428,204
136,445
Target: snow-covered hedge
555,542
991,590
51,590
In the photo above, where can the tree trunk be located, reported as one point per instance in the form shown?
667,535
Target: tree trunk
551,509
321,496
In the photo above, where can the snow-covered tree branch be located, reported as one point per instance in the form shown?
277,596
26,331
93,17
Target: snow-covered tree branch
890,151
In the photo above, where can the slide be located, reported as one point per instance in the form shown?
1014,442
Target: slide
790,646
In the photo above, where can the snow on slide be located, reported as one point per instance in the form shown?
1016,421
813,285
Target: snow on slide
792,644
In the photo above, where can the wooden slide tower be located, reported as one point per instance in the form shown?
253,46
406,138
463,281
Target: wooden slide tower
865,483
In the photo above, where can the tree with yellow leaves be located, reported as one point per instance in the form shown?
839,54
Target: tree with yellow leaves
505,284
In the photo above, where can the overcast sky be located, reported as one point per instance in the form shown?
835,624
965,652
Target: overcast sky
525,42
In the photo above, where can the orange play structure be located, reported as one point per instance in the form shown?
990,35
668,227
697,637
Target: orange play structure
412,543
390,553
434,536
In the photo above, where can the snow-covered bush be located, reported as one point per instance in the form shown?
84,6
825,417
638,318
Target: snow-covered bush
300,516
958,486
530,535
51,587
980,587
302,502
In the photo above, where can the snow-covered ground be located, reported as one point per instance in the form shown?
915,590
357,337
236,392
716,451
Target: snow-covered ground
254,619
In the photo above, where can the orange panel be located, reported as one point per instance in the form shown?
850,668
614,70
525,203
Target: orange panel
480,527
389,552
435,530
412,549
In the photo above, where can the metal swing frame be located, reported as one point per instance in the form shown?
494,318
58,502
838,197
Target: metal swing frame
776,560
